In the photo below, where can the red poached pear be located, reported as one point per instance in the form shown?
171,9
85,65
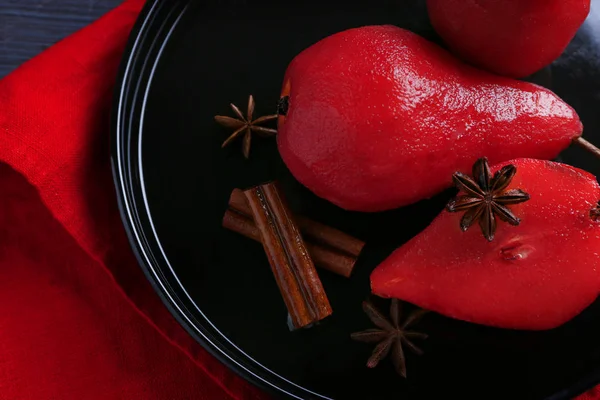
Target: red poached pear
510,37
533,276
378,117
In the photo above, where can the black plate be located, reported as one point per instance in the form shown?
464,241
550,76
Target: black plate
186,61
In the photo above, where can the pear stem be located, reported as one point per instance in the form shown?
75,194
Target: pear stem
587,145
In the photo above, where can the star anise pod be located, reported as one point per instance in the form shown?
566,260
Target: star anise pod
390,334
486,197
245,125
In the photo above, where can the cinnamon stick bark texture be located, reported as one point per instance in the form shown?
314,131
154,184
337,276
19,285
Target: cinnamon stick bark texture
322,257
330,248
288,256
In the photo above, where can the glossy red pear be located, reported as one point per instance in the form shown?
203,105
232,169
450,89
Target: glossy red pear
510,37
378,117
537,275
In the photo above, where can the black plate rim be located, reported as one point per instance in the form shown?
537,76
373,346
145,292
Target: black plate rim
141,55
135,72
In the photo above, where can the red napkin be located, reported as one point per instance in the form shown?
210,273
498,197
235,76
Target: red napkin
78,319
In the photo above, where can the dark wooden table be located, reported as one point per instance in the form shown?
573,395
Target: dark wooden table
29,26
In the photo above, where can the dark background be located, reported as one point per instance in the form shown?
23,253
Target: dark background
29,26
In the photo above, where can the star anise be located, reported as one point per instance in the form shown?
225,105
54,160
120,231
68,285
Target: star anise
245,125
391,335
485,197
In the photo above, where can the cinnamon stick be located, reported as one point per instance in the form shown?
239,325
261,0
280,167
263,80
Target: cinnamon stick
288,256
323,257
330,248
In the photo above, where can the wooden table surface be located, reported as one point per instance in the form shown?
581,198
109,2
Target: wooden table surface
29,26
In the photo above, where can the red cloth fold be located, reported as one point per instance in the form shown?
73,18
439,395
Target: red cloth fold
78,319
